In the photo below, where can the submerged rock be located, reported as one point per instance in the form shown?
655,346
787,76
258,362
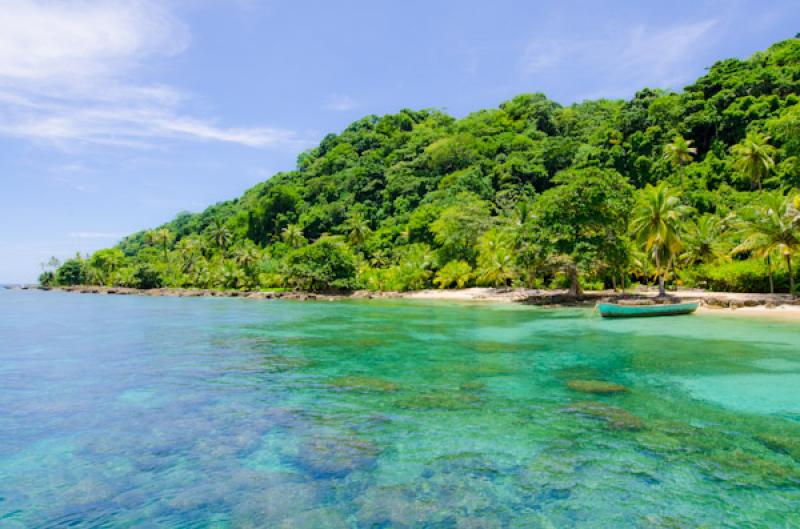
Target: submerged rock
474,385
744,469
614,417
281,363
323,518
335,456
394,506
475,369
266,507
472,464
365,384
597,387
782,444
440,401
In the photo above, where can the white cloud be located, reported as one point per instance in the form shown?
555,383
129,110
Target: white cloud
540,54
626,58
662,52
48,40
340,103
68,74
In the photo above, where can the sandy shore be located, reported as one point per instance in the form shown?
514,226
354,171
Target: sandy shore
773,305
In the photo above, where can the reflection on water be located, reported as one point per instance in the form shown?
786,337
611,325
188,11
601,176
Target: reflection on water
159,412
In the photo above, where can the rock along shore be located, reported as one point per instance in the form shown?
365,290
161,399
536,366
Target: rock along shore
711,300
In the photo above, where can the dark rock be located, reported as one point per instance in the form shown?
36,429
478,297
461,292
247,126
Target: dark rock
597,387
364,384
615,418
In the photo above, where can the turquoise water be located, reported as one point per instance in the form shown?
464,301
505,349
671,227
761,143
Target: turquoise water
193,413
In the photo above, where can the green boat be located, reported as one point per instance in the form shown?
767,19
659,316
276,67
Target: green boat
619,310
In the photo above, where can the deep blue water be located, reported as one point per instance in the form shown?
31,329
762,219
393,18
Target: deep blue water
165,412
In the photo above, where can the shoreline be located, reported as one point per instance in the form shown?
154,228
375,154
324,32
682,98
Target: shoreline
742,304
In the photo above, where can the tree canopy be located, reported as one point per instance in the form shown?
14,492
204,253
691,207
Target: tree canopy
529,193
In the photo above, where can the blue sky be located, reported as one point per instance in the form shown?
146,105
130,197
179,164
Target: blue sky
116,115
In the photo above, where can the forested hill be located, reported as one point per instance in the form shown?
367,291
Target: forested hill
531,193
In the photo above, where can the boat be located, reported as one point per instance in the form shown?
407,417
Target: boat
626,310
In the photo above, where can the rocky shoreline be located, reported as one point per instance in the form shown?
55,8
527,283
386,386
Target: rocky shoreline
711,300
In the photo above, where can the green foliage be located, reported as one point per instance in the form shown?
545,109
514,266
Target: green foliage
325,265
496,266
656,224
456,273
576,221
753,158
458,227
738,276
47,278
72,272
530,193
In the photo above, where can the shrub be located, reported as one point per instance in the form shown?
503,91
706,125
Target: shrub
741,276
72,272
147,276
328,264
458,272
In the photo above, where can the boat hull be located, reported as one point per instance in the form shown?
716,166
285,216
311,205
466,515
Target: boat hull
613,310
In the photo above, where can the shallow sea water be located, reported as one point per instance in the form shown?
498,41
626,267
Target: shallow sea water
198,413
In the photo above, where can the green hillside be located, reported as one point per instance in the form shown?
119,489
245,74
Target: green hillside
698,187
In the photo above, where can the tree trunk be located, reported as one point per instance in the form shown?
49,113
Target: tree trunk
574,285
791,275
614,282
661,291
769,271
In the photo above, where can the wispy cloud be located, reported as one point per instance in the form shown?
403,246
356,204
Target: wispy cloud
640,55
68,74
340,103
95,235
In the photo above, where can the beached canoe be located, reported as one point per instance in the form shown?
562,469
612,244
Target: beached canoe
615,310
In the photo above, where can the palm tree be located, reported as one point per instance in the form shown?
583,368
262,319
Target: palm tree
358,229
679,153
160,237
704,240
458,272
495,264
246,257
774,227
656,225
754,158
380,258
293,236
220,235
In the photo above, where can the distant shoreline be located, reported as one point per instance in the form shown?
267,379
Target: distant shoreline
712,302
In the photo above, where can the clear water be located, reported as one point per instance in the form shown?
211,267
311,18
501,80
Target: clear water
193,413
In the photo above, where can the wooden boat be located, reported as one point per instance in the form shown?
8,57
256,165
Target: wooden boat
620,310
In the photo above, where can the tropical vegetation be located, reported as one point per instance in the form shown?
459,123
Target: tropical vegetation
698,188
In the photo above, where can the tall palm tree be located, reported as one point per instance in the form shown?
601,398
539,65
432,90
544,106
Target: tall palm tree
293,235
160,237
774,228
358,229
679,153
754,158
219,234
656,225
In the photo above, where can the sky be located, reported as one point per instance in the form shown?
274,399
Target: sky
116,115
